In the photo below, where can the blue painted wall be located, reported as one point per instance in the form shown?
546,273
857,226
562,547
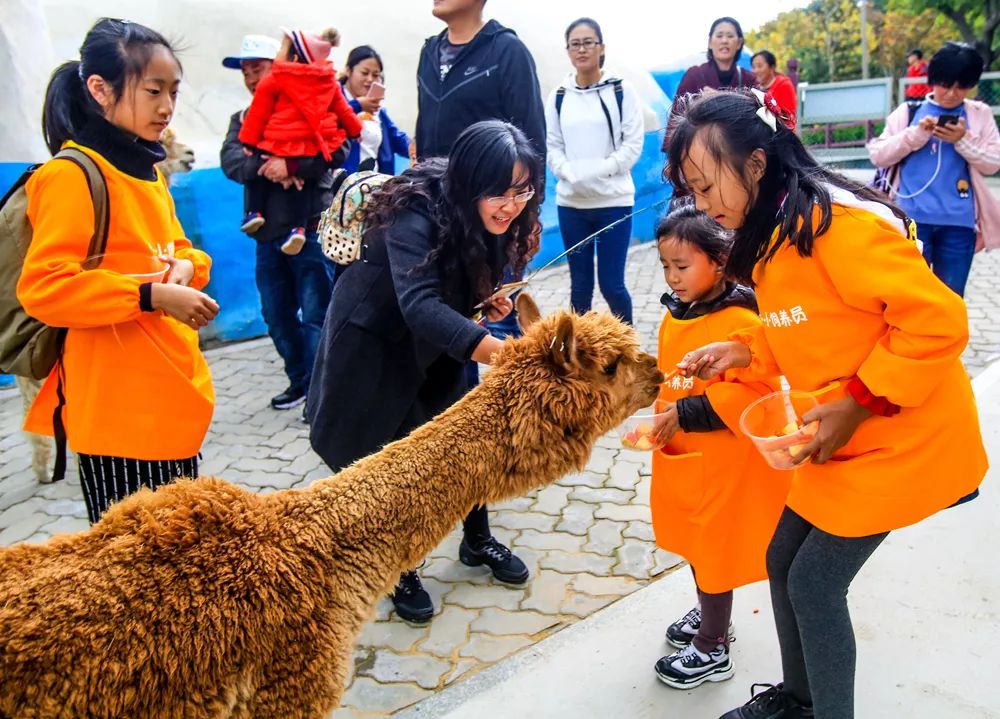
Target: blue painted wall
209,207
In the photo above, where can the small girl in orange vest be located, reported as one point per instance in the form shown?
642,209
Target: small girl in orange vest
851,313
715,501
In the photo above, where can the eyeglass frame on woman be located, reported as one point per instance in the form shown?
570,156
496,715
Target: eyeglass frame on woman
587,44
501,200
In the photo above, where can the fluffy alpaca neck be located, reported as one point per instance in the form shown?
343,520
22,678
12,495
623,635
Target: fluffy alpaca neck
389,510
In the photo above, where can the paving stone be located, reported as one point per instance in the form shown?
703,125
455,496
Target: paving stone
547,592
499,622
423,671
551,500
573,563
449,569
577,518
601,460
526,520
381,698
487,648
462,670
604,537
65,525
639,530
664,561
624,476
448,631
635,559
604,495
476,597
603,586
583,605
23,528
518,504
393,634
588,479
549,540
622,513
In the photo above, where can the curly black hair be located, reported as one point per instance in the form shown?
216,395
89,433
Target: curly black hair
481,164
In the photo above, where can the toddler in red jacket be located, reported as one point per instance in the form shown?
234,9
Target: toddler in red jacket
298,110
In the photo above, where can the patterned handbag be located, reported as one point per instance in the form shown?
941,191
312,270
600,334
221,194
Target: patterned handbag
342,224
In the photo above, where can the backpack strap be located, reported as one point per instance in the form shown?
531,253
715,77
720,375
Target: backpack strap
98,243
560,96
619,94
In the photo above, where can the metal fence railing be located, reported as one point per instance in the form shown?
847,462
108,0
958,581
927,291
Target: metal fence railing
988,89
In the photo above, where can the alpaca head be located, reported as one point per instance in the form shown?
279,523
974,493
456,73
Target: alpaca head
180,157
569,380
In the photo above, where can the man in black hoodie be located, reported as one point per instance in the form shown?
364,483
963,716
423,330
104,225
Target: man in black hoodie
474,70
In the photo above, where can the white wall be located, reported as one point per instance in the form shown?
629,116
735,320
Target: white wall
638,33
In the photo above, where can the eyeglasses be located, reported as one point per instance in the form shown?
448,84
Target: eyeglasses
502,200
577,45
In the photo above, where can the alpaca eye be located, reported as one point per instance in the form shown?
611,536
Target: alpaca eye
612,368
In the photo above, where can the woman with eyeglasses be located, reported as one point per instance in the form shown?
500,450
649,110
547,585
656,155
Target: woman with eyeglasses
595,134
397,333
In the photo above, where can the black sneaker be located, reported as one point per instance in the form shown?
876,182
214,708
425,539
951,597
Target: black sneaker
772,703
412,602
305,415
291,397
687,668
505,566
681,632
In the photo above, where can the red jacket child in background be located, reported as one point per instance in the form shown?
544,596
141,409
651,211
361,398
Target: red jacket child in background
298,110
916,66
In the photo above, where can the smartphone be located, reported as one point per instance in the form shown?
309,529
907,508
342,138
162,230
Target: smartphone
947,120
376,91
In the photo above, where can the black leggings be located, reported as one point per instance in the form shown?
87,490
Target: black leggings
810,572
106,480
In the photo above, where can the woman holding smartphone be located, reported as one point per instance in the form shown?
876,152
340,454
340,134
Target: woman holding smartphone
944,147
381,141
398,332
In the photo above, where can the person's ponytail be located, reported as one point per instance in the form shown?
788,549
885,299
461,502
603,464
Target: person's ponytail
67,105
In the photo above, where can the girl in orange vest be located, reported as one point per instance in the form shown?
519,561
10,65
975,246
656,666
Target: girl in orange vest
851,313
715,501
138,394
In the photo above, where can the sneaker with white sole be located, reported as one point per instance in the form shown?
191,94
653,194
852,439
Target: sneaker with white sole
687,668
296,239
252,222
681,632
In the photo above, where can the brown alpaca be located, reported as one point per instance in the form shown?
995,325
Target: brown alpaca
202,600
180,157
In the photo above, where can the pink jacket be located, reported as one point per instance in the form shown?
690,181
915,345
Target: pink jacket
980,147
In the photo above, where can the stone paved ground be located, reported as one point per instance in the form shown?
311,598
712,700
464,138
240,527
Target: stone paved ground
586,538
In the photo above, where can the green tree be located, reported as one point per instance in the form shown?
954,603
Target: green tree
977,21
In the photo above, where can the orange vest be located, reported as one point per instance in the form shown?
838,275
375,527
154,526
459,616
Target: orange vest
136,384
866,303
714,499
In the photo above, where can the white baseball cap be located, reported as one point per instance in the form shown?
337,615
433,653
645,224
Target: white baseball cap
254,47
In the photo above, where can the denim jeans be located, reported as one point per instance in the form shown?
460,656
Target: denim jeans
612,251
948,249
294,293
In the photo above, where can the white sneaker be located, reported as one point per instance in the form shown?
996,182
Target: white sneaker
296,239
687,668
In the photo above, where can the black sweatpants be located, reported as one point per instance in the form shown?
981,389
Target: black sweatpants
106,480
810,572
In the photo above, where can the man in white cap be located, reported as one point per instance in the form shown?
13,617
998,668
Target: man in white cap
294,289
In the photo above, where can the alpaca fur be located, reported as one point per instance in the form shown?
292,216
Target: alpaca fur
180,157
202,600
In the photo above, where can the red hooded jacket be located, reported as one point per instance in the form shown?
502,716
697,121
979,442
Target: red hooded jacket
299,110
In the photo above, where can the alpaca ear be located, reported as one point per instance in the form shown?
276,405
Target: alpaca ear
527,310
562,346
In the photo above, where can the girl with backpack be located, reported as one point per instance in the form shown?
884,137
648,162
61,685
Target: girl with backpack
138,394
851,313
398,331
595,134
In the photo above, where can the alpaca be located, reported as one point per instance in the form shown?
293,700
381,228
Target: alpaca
180,157
202,600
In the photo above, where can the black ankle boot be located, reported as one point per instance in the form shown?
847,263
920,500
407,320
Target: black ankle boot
412,602
505,566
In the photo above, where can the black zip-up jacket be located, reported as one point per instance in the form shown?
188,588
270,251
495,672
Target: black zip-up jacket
280,217
695,413
492,78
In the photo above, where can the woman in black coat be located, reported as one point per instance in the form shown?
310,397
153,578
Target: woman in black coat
397,333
